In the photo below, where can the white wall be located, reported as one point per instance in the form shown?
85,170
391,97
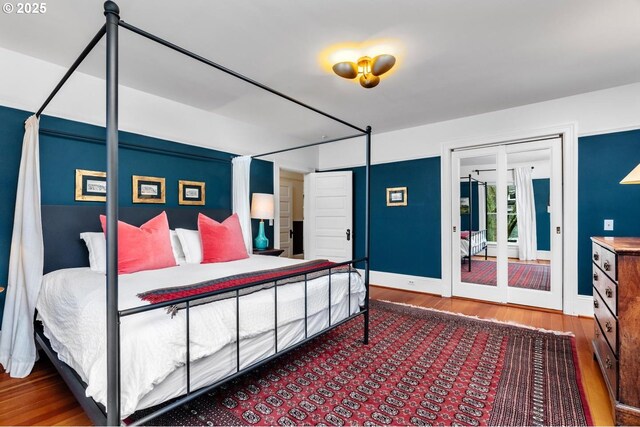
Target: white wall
25,82
594,112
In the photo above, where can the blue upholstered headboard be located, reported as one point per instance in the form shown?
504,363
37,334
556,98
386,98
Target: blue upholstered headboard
62,225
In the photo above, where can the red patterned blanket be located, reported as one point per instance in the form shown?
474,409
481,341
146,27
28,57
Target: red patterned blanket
282,275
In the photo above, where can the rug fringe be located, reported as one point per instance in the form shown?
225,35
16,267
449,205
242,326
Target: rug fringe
503,322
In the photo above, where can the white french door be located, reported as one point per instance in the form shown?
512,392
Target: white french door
502,276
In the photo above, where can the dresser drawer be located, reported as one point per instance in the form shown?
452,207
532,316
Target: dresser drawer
596,254
607,359
609,263
607,321
607,289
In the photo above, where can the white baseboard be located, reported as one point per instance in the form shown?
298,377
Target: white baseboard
546,255
402,281
583,306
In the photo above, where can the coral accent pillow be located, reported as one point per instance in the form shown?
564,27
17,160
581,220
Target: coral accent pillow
221,242
147,247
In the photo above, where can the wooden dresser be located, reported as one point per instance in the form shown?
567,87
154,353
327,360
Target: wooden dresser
616,303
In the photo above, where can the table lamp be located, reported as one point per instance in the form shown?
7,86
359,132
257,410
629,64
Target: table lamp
633,177
261,208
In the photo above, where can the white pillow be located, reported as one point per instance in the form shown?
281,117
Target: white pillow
97,246
178,252
191,245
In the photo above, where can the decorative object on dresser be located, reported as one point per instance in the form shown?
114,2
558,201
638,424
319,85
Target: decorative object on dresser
261,208
268,251
191,193
616,302
148,189
91,186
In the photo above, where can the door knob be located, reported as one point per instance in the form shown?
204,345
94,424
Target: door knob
348,234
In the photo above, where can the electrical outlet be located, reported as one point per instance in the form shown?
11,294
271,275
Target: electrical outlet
411,283
608,225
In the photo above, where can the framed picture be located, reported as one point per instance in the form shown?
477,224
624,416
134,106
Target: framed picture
190,192
91,186
397,196
464,206
148,189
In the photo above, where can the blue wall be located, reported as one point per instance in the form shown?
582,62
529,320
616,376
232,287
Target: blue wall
404,239
603,161
464,219
61,156
541,193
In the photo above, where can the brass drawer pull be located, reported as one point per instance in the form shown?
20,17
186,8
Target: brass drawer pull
609,326
608,292
595,303
608,363
607,266
596,256
595,276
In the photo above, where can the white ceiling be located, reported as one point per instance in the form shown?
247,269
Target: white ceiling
455,58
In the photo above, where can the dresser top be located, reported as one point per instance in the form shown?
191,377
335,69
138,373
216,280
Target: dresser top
622,245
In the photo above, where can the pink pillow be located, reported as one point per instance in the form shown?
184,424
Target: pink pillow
221,242
464,234
147,247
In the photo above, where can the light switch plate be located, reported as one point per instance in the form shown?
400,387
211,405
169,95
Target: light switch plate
608,225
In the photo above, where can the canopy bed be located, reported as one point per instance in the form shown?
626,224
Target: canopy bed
473,242
171,349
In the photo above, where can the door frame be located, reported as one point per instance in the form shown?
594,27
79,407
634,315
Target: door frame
572,303
276,196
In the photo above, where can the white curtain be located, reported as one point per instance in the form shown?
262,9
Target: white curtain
26,260
241,202
482,207
526,213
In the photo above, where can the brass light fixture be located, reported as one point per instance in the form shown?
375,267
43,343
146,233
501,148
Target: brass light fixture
368,69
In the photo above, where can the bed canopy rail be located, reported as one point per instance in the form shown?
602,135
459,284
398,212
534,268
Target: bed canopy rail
110,30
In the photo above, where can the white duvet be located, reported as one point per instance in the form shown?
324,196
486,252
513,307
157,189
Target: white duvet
72,307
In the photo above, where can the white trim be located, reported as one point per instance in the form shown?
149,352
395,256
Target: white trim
572,302
544,255
583,306
401,281
277,167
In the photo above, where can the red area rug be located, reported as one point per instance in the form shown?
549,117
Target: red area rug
529,276
422,367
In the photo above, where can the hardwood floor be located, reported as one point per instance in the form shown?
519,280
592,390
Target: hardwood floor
43,398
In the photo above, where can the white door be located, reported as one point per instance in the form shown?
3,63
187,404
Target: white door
500,275
328,216
286,225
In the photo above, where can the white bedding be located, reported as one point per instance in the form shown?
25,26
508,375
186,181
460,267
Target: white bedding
72,307
476,240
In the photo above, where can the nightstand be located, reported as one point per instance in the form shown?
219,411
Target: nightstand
269,252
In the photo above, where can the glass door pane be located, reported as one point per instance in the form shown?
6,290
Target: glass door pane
478,221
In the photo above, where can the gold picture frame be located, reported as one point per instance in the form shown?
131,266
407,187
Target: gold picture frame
397,196
191,193
148,189
91,186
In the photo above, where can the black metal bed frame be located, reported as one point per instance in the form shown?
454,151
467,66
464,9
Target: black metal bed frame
480,236
111,415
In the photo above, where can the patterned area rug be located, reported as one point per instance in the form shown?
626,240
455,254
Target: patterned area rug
529,276
422,367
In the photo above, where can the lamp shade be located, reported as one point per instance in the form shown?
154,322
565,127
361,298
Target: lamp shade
262,206
633,177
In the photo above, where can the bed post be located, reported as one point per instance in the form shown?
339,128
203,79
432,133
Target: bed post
111,12
367,231
470,218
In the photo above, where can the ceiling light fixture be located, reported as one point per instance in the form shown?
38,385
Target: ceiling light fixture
368,69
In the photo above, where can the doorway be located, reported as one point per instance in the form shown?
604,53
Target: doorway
291,214
507,218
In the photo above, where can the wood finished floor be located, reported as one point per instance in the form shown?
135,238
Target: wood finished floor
43,398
